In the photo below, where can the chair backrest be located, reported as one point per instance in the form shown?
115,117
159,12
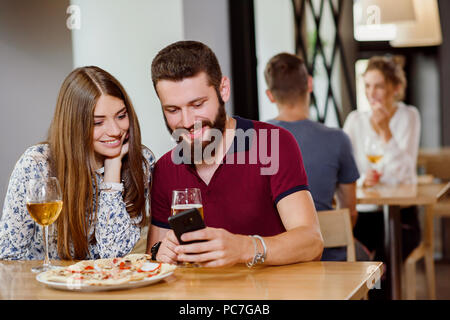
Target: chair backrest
336,227
436,163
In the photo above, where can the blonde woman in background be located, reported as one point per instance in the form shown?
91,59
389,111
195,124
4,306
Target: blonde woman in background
396,127
94,149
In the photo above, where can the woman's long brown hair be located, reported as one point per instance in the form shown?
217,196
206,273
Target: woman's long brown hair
71,153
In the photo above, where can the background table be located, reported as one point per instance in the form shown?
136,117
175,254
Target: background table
312,280
392,198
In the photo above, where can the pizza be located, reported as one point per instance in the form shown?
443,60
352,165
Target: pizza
104,272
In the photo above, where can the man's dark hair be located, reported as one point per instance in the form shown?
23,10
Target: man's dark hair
185,59
287,78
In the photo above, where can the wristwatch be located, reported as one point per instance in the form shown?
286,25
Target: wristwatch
154,250
111,186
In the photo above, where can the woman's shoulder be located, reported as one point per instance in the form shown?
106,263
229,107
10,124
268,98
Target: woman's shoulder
38,152
148,155
410,109
408,112
355,118
357,114
33,161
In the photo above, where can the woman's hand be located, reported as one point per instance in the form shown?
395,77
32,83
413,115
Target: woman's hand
380,121
114,165
372,178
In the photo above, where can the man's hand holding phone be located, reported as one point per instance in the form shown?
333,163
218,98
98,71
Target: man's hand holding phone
205,246
181,223
186,221
219,248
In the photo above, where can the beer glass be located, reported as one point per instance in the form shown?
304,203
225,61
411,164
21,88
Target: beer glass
44,203
184,199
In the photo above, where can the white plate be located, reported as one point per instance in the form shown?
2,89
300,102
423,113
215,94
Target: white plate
90,288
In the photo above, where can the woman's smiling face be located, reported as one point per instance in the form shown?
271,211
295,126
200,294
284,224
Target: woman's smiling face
111,124
378,90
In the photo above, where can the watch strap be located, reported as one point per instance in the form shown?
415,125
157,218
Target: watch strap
154,250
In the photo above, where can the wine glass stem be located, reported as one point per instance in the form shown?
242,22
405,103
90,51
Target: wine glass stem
46,260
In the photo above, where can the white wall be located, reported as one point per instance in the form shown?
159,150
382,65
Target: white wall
37,51
35,57
424,88
207,21
123,37
275,33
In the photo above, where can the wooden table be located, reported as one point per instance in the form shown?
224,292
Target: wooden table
392,198
312,280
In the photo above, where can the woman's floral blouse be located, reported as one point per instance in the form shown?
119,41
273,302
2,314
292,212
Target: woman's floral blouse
21,238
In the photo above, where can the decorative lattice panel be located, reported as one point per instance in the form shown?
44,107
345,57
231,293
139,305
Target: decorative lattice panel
318,41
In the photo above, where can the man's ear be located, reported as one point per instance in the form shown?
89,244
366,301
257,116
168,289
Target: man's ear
270,96
225,87
310,84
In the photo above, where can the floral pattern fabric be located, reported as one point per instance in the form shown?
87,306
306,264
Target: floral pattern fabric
21,238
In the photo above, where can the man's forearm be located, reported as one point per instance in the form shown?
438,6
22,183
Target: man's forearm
297,245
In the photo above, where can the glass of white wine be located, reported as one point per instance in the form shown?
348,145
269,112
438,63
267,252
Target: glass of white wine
44,203
373,149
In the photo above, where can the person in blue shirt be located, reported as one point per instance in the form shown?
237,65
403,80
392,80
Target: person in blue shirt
327,152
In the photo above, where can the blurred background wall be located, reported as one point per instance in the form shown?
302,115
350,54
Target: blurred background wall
274,31
35,57
38,50
122,37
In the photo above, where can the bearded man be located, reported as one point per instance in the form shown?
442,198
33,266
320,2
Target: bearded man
257,206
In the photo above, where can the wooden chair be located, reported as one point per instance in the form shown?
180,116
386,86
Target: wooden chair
141,245
336,228
425,249
435,164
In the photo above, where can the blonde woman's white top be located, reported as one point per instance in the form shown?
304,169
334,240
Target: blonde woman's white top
399,162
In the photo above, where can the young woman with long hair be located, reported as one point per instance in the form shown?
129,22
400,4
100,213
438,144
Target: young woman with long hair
396,128
94,149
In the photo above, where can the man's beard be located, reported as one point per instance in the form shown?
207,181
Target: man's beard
218,124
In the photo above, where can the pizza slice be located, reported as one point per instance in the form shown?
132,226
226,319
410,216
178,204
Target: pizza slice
104,272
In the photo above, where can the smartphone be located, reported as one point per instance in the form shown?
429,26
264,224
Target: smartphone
186,221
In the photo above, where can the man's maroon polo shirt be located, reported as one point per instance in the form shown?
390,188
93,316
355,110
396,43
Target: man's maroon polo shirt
238,198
